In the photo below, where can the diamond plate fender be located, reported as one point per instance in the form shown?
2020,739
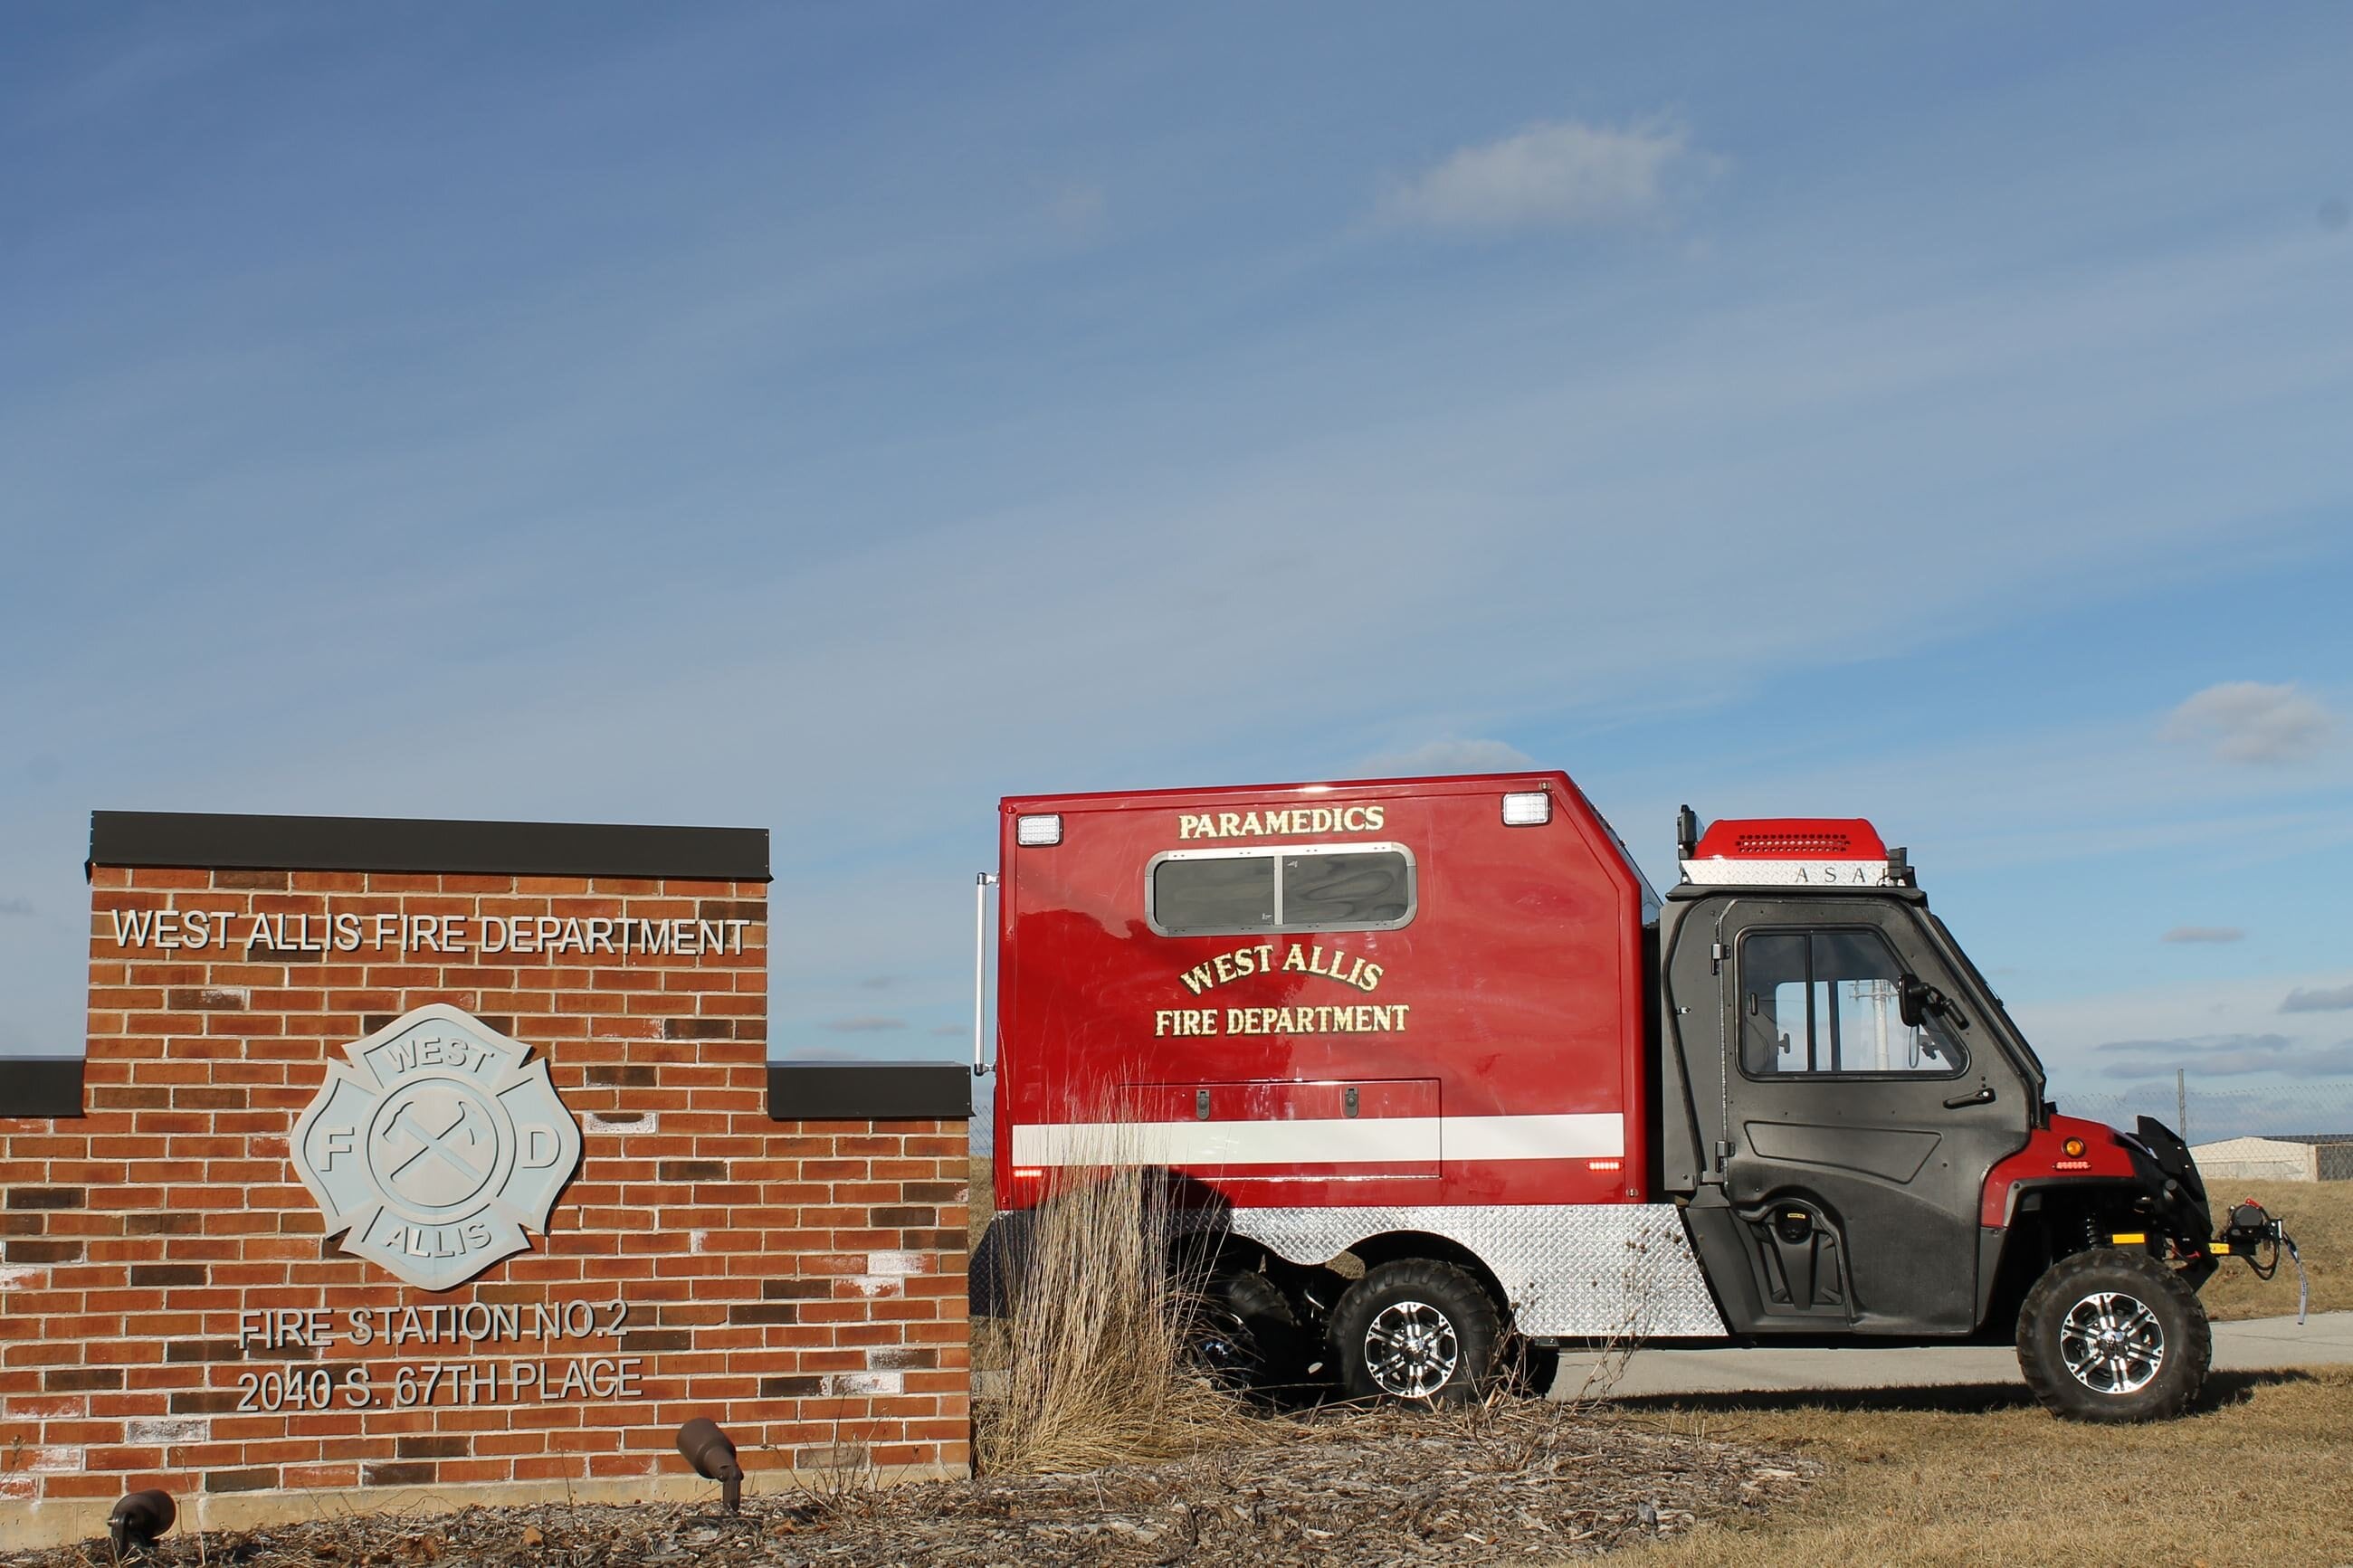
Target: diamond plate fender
1598,1270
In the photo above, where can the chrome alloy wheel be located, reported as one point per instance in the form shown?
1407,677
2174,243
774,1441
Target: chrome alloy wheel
1411,1349
2112,1343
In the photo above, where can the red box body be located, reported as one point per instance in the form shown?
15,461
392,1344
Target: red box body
1493,1048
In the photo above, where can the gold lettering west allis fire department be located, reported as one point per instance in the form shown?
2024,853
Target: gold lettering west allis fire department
1298,958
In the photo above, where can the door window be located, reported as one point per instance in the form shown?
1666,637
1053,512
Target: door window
1823,1003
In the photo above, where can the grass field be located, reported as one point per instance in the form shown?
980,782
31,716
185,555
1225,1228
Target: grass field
2261,1473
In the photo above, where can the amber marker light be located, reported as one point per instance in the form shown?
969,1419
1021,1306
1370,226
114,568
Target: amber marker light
2073,1148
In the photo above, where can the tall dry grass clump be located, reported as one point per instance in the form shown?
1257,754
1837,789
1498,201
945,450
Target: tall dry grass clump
1096,1370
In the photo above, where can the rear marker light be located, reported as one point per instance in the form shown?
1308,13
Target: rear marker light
2071,1165
1527,810
2073,1148
1034,831
1605,1165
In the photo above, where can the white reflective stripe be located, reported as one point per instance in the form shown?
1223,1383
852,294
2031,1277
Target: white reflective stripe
1338,1140
1381,1140
1594,1135
1790,873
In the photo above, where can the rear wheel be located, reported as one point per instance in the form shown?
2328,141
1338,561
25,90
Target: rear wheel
1246,1336
1415,1330
2113,1335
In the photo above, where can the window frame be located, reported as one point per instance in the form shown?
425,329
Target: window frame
1740,992
1276,852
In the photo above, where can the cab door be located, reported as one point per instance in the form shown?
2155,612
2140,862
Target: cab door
1853,1147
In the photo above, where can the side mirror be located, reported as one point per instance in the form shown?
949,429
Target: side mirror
1914,999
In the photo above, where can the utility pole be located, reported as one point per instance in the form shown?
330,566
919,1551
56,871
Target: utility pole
2181,1102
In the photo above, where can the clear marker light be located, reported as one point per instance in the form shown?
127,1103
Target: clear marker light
1033,831
1527,810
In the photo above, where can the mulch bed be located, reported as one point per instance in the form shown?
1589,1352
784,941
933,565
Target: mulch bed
1522,1483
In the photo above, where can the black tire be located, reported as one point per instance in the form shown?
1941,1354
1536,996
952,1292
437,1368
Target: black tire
1417,1332
1246,1336
2113,1335
1530,1369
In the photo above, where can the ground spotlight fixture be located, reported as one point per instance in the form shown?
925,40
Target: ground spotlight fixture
709,1450
138,1519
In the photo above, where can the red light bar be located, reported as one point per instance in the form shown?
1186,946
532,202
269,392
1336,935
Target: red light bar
1791,838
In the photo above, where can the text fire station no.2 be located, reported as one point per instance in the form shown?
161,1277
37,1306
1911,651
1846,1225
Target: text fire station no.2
516,1379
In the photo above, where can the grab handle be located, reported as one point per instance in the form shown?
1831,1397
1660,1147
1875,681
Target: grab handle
982,881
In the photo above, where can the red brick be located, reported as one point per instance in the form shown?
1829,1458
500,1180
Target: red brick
697,1221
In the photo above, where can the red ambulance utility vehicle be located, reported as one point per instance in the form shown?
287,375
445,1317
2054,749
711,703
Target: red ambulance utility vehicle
1440,1074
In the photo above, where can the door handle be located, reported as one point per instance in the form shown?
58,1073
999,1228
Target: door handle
1983,1096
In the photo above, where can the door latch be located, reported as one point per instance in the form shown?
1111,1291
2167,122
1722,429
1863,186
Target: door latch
1983,1095
1201,1104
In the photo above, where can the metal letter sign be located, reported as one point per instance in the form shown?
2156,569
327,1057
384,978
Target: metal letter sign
435,1147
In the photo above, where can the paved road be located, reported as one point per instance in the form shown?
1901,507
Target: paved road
2258,1344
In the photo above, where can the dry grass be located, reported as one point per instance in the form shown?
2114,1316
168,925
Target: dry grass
2319,1214
2260,1473
1094,1370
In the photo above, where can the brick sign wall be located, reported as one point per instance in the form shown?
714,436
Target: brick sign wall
180,1310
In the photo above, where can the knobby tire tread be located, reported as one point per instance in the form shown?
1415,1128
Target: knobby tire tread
2055,1389
1449,1286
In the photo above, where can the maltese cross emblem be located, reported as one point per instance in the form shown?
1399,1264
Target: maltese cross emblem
436,1146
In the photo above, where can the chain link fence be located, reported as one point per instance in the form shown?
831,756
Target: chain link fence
2298,1111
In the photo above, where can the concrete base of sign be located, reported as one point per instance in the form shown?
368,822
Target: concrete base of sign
27,1525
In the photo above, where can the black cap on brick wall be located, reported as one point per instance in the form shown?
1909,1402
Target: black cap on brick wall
227,841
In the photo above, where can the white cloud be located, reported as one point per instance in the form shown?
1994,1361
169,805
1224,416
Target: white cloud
2204,933
1447,757
2228,1056
2248,722
2174,1048
1558,174
2084,1037
2319,999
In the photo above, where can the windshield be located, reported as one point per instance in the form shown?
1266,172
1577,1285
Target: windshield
2013,1036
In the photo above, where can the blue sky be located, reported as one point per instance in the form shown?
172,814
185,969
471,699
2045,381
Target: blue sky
832,417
